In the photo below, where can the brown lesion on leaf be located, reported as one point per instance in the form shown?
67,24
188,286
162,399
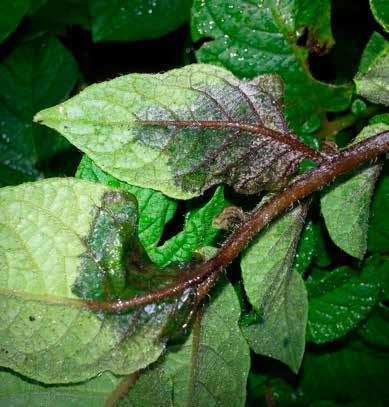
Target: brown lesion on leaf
303,186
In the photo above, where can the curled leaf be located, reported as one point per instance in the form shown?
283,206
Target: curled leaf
63,241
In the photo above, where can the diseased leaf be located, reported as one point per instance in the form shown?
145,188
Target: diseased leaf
133,20
254,37
380,9
11,13
155,209
183,131
198,233
345,205
373,75
65,238
338,302
18,391
276,292
38,74
209,369
280,334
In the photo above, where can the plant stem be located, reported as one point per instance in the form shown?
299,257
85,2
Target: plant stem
303,186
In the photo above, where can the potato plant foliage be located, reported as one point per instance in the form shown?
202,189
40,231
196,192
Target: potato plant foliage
193,203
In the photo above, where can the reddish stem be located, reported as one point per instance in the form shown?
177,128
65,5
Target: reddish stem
257,220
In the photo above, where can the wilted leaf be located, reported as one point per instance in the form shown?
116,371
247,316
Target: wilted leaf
183,131
345,205
18,391
11,13
209,369
155,209
38,74
276,292
338,302
372,80
133,20
64,236
254,37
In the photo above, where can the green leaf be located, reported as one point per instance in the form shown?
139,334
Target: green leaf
372,78
380,9
209,369
306,248
266,263
198,232
183,131
275,291
55,15
36,75
281,332
345,205
375,329
134,20
363,374
338,302
60,238
378,236
155,209
11,13
322,257
254,37
348,373
18,391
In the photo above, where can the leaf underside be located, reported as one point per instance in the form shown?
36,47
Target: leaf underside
183,131
372,80
276,292
345,205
